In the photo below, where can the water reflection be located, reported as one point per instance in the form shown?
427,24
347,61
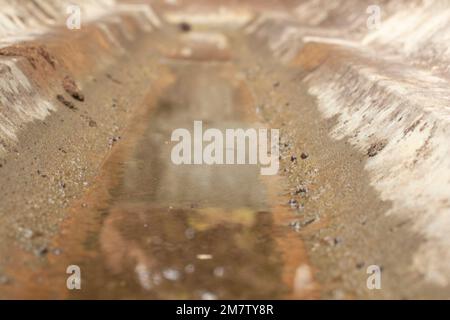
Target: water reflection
178,232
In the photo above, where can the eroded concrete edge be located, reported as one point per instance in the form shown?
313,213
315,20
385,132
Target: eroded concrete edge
31,69
394,110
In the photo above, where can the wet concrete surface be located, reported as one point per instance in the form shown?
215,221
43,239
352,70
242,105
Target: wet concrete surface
149,229
141,227
145,228
189,231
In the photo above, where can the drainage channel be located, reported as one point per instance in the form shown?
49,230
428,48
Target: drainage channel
149,228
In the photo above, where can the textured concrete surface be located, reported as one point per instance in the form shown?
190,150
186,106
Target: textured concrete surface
370,105
388,90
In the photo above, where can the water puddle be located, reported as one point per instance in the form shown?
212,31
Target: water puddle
149,229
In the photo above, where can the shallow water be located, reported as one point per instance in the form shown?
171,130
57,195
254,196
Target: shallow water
149,229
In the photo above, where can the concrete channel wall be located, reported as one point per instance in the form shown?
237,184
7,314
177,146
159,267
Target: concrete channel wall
388,88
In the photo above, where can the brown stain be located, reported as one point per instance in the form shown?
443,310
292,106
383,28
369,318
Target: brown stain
290,244
311,56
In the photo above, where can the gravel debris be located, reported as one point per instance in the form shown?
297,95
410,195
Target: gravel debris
71,88
41,251
376,147
66,102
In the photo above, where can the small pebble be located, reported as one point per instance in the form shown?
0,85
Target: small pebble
185,27
293,203
301,190
41,251
296,225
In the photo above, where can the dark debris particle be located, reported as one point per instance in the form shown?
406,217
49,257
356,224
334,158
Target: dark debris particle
92,124
304,155
293,158
301,190
113,140
71,88
110,77
41,174
308,222
376,147
333,241
300,208
41,251
66,102
295,224
185,27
